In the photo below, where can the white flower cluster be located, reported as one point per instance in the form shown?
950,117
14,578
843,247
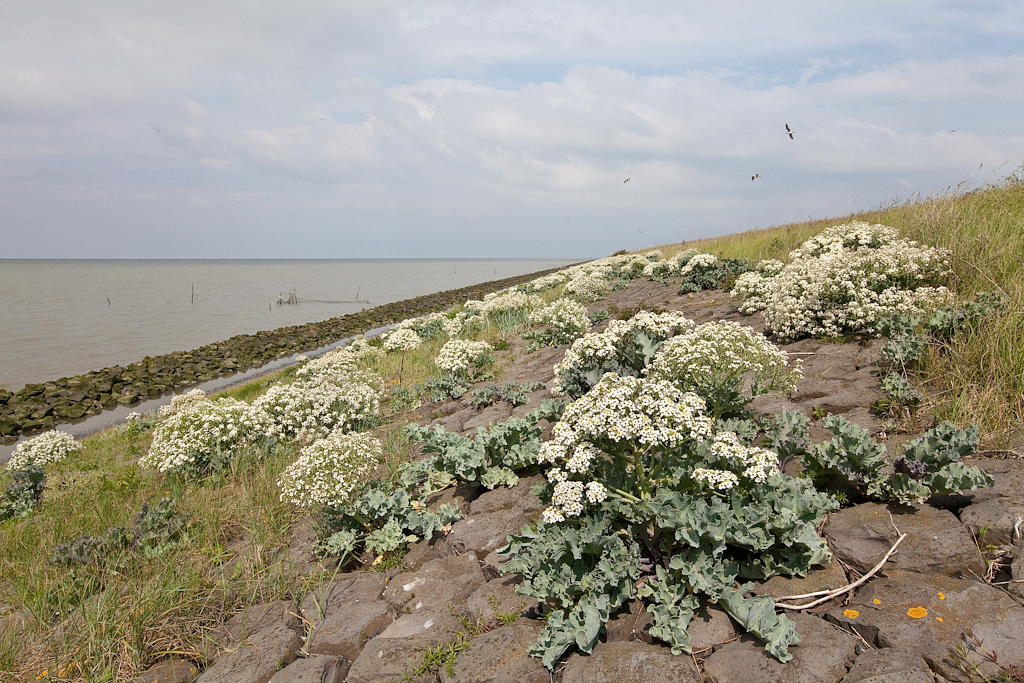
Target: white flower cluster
463,358
196,432
312,407
51,446
425,326
598,352
401,339
466,322
328,470
337,362
133,416
642,412
753,286
564,319
545,282
588,287
721,480
509,302
182,402
361,349
847,278
665,268
721,355
735,463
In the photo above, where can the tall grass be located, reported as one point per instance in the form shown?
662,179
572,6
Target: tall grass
980,377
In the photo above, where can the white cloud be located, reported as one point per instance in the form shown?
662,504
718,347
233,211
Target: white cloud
446,128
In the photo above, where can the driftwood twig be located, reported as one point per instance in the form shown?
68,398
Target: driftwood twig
829,594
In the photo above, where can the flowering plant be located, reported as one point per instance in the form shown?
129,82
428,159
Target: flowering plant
203,434
640,486
509,309
728,364
328,470
624,347
313,407
754,285
846,280
51,446
468,359
182,402
588,287
564,321
401,339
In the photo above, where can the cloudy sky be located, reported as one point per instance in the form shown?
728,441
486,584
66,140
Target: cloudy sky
484,129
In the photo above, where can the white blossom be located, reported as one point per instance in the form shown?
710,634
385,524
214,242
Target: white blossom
464,358
328,470
51,446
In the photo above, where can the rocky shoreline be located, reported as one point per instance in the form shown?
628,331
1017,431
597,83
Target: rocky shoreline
37,407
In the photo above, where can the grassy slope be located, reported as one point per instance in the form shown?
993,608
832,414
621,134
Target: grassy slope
127,613
981,378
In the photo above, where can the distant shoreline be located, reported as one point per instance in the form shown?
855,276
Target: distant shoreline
41,406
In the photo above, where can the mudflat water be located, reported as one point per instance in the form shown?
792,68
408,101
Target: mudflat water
71,316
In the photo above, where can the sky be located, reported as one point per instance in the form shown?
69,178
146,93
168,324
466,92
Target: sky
350,129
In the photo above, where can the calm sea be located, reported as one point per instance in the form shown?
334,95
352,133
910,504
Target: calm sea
68,317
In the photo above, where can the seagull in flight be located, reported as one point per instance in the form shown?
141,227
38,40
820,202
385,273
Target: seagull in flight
789,132
755,177
156,130
626,180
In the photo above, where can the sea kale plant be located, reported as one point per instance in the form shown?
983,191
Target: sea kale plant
508,309
625,347
328,470
470,360
647,501
910,335
23,491
845,280
51,446
854,463
313,406
382,517
561,322
706,271
490,458
588,287
155,528
516,394
202,435
726,363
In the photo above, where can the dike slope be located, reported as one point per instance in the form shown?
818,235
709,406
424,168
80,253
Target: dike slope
920,619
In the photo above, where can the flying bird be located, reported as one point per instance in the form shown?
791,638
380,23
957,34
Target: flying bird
626,180
156,130
755,177
789,132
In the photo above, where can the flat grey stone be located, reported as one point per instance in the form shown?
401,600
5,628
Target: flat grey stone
484,533
629,662
313,669
498,599
346,613
889,665
256,658
500,656
437,584
822,656
952,608
936,540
